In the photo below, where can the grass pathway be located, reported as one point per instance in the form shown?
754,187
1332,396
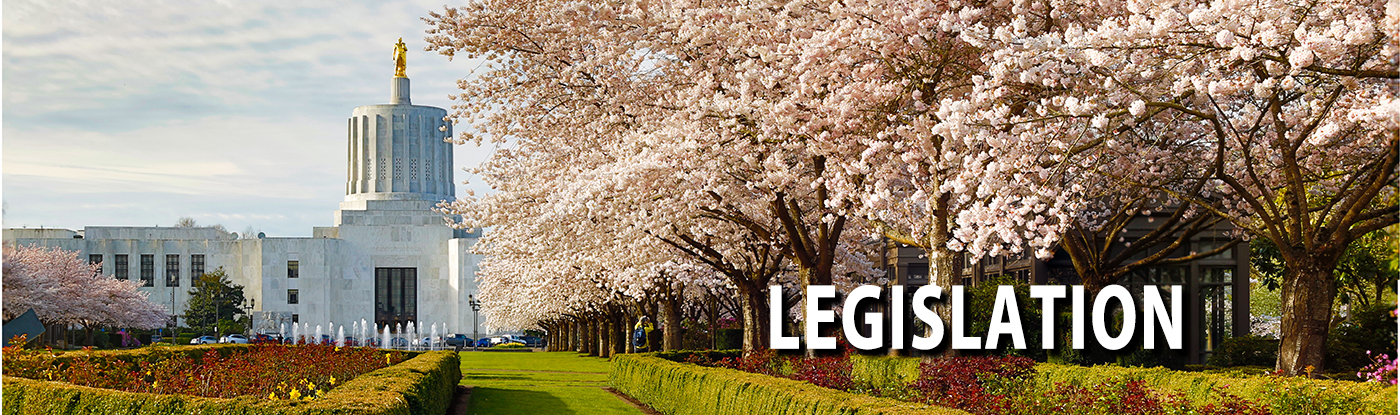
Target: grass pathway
539,383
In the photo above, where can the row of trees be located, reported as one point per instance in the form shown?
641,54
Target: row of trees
651,153
66,290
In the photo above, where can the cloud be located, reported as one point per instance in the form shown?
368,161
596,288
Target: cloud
141,111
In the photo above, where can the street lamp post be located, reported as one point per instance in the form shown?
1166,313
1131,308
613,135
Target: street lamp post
476,306
248,307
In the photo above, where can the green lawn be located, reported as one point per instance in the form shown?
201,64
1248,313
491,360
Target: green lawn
539,383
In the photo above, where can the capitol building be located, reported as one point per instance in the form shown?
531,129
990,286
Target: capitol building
389,258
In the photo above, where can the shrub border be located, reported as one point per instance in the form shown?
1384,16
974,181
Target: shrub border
674,388
421,385
1283,395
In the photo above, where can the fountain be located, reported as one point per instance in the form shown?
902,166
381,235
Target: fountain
432,340
296,334
411,336
317,339
340,338
385,343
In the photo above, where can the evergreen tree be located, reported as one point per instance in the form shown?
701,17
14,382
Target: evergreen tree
214,303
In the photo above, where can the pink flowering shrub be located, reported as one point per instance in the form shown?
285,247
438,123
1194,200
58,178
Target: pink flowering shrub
1382,370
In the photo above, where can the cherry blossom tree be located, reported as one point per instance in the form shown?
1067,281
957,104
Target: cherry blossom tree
64,289
1290,104
623,89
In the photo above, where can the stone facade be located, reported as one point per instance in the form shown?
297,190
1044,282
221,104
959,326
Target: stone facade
398,168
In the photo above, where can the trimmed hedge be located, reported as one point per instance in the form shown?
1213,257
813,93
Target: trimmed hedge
424,384
679,388
1284,395
884,370
712,355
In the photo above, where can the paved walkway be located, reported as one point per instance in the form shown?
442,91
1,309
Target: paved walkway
539,383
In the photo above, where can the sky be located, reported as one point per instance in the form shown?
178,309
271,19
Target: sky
137,113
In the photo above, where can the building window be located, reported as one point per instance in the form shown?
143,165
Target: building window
96,259
123,268
148,270
293,269
172,270
295,318
918,271
292,297
1209,245
196,266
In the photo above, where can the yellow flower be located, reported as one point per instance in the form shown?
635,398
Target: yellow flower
271,396
295,395
386,359
332,380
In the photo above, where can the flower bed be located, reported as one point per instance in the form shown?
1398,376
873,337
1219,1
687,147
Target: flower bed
264,370
422,384
1015,385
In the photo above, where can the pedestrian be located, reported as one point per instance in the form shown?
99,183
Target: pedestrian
641,334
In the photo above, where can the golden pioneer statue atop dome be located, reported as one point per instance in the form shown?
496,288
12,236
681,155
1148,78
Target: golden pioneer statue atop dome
400,57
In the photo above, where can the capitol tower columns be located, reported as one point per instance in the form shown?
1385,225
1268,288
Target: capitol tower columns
397,150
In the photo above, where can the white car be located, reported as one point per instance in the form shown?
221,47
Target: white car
204,340
234,339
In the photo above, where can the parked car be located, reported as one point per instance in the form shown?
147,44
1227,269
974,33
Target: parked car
455,340
266,338
234,339
531,341
398,342
204,340
483,342
156,338
351,341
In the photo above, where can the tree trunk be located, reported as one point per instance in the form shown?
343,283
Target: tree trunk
593,337
552,337
557,342
585,333
622,328
754,308
713,315
626,322
605,336
576,336
570,329
1307,315
942,263
671,322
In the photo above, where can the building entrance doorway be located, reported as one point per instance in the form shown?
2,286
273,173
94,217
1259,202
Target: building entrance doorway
395,296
